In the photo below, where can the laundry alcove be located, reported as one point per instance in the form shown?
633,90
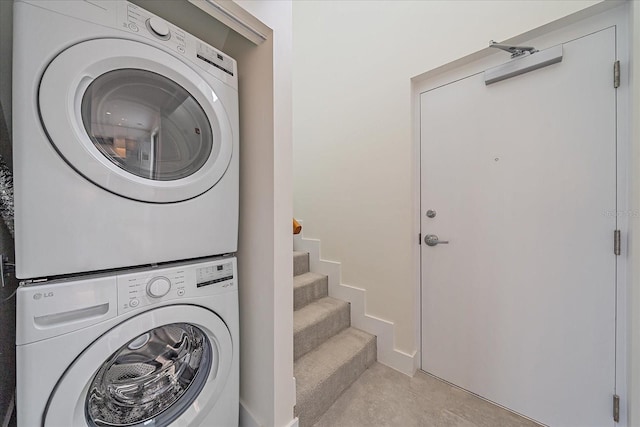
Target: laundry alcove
264,247
267,391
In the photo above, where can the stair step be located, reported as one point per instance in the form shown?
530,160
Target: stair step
317,322
300,263
324,373
309,287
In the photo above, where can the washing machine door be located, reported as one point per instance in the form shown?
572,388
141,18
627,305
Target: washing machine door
135,120
154,369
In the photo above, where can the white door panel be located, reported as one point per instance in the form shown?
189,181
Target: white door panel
519,307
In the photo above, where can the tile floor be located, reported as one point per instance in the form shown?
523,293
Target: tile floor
383,397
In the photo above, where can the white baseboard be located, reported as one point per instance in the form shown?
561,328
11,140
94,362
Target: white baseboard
246,417
293,423
383,329
248,420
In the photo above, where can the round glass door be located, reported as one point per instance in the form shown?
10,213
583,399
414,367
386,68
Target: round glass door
137,121
155,376
147,124
184,362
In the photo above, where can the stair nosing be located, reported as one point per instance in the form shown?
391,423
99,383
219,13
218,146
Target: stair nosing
298,315
303,278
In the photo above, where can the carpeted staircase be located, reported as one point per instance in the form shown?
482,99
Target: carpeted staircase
328,353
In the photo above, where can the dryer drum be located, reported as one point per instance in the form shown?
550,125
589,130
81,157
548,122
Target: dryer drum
157,375
147,124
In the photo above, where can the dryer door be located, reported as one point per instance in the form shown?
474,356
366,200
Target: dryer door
153,369
136,120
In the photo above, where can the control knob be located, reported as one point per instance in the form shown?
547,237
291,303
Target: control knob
158,287
158,27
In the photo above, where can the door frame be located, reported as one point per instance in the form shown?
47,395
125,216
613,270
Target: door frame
587,21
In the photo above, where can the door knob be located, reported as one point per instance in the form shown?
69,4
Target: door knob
433,240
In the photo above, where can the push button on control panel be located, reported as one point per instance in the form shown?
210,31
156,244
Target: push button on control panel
158,287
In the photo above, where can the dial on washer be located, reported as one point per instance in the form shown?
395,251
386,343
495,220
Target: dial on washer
158,287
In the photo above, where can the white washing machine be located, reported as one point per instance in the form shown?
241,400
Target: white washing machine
125,140
152,347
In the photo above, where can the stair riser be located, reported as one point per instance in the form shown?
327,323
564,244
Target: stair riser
314,403
300,263
310,292
315,334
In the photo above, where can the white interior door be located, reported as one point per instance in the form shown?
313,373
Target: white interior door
519,307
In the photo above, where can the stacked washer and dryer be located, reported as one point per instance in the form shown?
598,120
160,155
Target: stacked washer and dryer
126,216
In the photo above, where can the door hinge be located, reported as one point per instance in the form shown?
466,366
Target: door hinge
616,242
616,74
419,238
616,408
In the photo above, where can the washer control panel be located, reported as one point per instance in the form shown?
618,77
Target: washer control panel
147,287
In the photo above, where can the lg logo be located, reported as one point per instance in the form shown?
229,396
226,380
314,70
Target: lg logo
45,295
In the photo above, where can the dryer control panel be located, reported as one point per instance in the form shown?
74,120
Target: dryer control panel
138,21
153,286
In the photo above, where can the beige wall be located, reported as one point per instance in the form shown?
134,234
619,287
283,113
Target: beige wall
353,166
354,182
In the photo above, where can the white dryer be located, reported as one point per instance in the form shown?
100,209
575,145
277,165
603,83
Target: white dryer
125,140
152,347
